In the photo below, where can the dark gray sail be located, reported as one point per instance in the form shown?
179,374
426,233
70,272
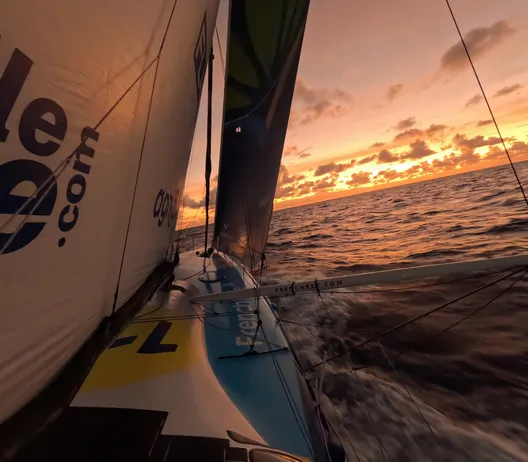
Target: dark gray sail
264,46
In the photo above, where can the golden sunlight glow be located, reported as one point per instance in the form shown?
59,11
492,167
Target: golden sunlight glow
398,112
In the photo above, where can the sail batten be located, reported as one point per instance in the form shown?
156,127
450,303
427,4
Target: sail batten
265,40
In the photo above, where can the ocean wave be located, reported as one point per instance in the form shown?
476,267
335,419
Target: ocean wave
512,202
317,236
435,253
307,246
491,196
513,225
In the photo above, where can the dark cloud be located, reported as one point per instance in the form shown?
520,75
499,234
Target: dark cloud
518,148
469,145
190,203
332,167
507,90
412,133
419,150
294,151
379,144
495,152
366,160
473,101
453,160
324,183
290,151
404,124
393,91
313,103
285,178
360,178
284,192
483,123
435,130
387,175
479,42
386,157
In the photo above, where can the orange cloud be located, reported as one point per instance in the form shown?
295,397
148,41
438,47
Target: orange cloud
405,123
332,167
294,151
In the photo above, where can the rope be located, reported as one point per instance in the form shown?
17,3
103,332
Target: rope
412,399
220,50
208,166
420,286
393,329
367,413
487,102
116,293
50,181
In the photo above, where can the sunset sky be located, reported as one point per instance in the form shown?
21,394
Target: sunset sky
385,95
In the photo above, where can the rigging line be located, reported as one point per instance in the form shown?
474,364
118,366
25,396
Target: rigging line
323,432
183,317
389,313
340,420
220,50
208,166
435,437
500,294
116,293
486,100
291,400
63,164
410,321
396,289
282,379
130,213
199,272
288,321
382,448
489,302
150,312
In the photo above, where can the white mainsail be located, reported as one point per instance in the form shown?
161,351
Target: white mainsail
64,66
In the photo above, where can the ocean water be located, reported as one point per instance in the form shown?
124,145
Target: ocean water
452,386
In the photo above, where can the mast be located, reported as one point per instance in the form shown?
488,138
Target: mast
208,148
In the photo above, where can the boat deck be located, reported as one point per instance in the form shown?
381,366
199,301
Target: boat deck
187,382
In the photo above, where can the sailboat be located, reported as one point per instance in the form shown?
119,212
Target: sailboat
114,345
